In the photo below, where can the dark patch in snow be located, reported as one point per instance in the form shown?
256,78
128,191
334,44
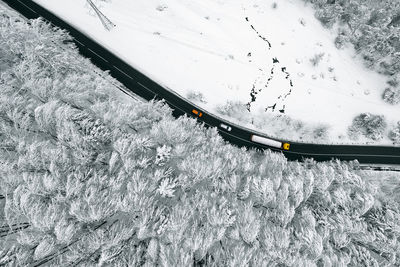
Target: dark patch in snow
259,35
273,107
249,55
254,91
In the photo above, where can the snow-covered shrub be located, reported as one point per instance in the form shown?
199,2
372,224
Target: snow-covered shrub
369,125
394,134
342,39
235,109
303,21
326,17
317,59
391,65
394,82
196,97
321,132
161,8
391,95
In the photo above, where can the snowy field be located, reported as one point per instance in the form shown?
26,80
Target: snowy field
278,62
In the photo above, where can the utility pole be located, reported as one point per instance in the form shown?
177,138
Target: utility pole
108,25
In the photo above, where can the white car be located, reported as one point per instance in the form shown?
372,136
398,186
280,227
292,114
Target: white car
226,127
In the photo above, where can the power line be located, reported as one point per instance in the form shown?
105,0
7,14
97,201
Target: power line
107,23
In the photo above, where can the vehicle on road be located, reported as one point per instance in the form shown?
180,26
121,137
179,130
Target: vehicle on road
225,127
270,142
197,113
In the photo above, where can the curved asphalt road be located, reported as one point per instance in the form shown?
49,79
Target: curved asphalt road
148,89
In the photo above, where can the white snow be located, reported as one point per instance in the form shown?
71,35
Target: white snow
203,46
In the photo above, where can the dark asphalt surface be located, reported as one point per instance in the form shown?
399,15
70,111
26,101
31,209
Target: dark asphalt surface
143,86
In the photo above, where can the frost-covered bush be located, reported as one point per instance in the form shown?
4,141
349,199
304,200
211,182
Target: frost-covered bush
89,180
394,134
276,124
342,39
196,97
320,132
369,125
317,59
392,95
161,8
234,109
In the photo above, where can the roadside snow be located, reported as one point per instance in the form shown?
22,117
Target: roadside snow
279,61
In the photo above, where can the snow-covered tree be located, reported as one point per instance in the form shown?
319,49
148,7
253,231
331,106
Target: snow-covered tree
369,125
87,179
392,95
394,134
372,28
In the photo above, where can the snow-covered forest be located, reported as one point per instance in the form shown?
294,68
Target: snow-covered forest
373,27
91,178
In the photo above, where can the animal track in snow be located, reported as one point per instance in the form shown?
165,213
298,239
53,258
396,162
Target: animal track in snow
254,91
259,35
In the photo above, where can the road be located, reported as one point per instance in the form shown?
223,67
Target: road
143,86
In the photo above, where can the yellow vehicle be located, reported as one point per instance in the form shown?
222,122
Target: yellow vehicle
197,113
286,146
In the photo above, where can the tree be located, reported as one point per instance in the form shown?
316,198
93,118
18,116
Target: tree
89,180
369,125
392,95
394,134
370,27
